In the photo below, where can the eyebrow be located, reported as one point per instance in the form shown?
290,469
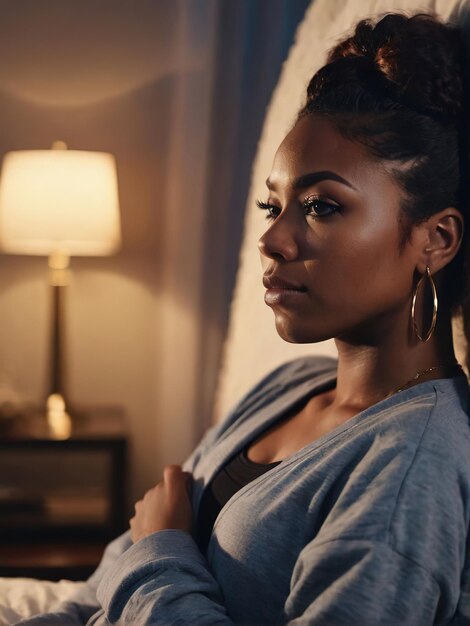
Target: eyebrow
314,177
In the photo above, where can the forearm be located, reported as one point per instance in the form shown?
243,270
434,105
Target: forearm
162,579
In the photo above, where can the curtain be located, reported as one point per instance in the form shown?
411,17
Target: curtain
209,179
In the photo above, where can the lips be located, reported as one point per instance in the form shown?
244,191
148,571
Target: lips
275,282
284,293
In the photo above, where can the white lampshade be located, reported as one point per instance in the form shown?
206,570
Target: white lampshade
59,200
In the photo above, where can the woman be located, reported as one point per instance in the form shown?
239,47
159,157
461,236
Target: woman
345,485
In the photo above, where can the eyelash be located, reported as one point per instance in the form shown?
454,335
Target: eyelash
308,203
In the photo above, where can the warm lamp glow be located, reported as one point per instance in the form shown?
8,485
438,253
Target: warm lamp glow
58,420
59,201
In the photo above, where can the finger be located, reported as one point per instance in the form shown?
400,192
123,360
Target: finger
147,494
174,472
151,492
175,478
133,526
171,472
177,486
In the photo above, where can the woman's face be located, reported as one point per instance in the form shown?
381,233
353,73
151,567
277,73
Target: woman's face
331,254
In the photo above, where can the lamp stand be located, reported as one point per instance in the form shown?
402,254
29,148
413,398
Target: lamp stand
57,417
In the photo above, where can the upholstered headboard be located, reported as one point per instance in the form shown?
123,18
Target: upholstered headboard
253,346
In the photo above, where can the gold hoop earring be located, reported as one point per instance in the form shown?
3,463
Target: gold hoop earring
434,310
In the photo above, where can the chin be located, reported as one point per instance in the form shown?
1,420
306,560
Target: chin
297,333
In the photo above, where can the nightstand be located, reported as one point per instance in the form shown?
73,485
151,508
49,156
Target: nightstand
61,500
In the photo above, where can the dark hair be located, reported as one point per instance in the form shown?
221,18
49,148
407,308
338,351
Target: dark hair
398,86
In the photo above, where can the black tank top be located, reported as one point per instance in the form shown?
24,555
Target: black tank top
236,473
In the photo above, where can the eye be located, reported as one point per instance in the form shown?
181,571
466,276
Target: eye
312,206
272,210
316,207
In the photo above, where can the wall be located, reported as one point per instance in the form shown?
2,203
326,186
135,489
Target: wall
108,77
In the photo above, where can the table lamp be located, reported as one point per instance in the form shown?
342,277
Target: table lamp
59,203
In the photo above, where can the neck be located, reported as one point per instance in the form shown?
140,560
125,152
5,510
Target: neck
367,373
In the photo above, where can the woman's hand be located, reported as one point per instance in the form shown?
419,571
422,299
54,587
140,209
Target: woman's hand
167,505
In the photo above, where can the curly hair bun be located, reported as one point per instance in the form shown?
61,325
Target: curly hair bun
421,58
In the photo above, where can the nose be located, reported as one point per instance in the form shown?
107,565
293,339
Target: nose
279,241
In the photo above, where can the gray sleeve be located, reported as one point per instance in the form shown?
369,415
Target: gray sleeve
84,607
344,582
163,579
380,557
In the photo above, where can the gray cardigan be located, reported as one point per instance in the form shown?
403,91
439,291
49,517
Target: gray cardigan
366,525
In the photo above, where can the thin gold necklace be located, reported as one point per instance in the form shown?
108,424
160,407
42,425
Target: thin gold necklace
455,366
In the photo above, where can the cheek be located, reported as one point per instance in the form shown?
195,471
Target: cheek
354,263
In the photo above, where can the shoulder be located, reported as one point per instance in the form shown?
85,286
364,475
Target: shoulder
407,461
285,377
437,429
441,453
273,385
431,516
429,423
433,496
407,480
430,432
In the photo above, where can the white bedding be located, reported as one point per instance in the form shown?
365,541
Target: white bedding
23,597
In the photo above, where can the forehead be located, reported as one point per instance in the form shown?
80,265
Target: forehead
314,144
